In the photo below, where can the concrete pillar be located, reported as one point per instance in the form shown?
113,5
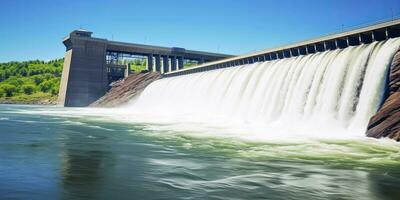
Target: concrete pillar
127,70
180,62
165,64
150,62
158,63
173,63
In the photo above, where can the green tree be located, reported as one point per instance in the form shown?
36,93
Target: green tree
54,90
38,78
9,90
28,89
45,86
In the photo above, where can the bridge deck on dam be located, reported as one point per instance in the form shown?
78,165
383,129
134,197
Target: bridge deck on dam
362,35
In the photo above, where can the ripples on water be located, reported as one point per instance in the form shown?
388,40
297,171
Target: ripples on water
59,153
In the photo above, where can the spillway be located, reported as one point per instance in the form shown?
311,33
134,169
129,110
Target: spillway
321,93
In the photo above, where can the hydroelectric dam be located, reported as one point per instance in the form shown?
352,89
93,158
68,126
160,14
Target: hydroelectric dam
335,83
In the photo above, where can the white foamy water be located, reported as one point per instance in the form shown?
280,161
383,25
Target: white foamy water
328,94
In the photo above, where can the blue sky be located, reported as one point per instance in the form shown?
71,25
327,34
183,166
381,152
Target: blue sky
34,29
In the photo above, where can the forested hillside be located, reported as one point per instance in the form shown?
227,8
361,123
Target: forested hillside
30,81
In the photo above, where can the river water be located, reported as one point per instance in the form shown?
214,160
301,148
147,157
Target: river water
51,152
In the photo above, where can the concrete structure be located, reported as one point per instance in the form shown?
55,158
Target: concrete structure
362,35
92,63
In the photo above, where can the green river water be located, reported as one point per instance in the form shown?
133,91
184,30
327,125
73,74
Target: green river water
62,153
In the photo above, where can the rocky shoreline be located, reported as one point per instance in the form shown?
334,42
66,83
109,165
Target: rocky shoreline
386,122
28,103
34,102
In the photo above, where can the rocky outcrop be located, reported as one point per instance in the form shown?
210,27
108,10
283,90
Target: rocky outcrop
123,90
386,122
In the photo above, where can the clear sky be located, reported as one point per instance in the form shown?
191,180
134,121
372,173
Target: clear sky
33,29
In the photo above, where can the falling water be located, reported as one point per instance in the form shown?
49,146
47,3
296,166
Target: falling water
321,93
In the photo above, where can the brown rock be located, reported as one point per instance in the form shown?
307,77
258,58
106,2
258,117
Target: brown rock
123,90
386,122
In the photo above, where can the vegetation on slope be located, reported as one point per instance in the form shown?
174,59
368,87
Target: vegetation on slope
30,81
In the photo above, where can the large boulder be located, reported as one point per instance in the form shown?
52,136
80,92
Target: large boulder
386,122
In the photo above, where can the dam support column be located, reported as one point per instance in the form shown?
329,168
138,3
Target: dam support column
150,62
165,64
158,63
173,63
180,62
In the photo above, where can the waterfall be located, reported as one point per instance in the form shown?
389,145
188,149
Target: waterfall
325,92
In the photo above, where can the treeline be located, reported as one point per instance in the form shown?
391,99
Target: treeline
30,78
